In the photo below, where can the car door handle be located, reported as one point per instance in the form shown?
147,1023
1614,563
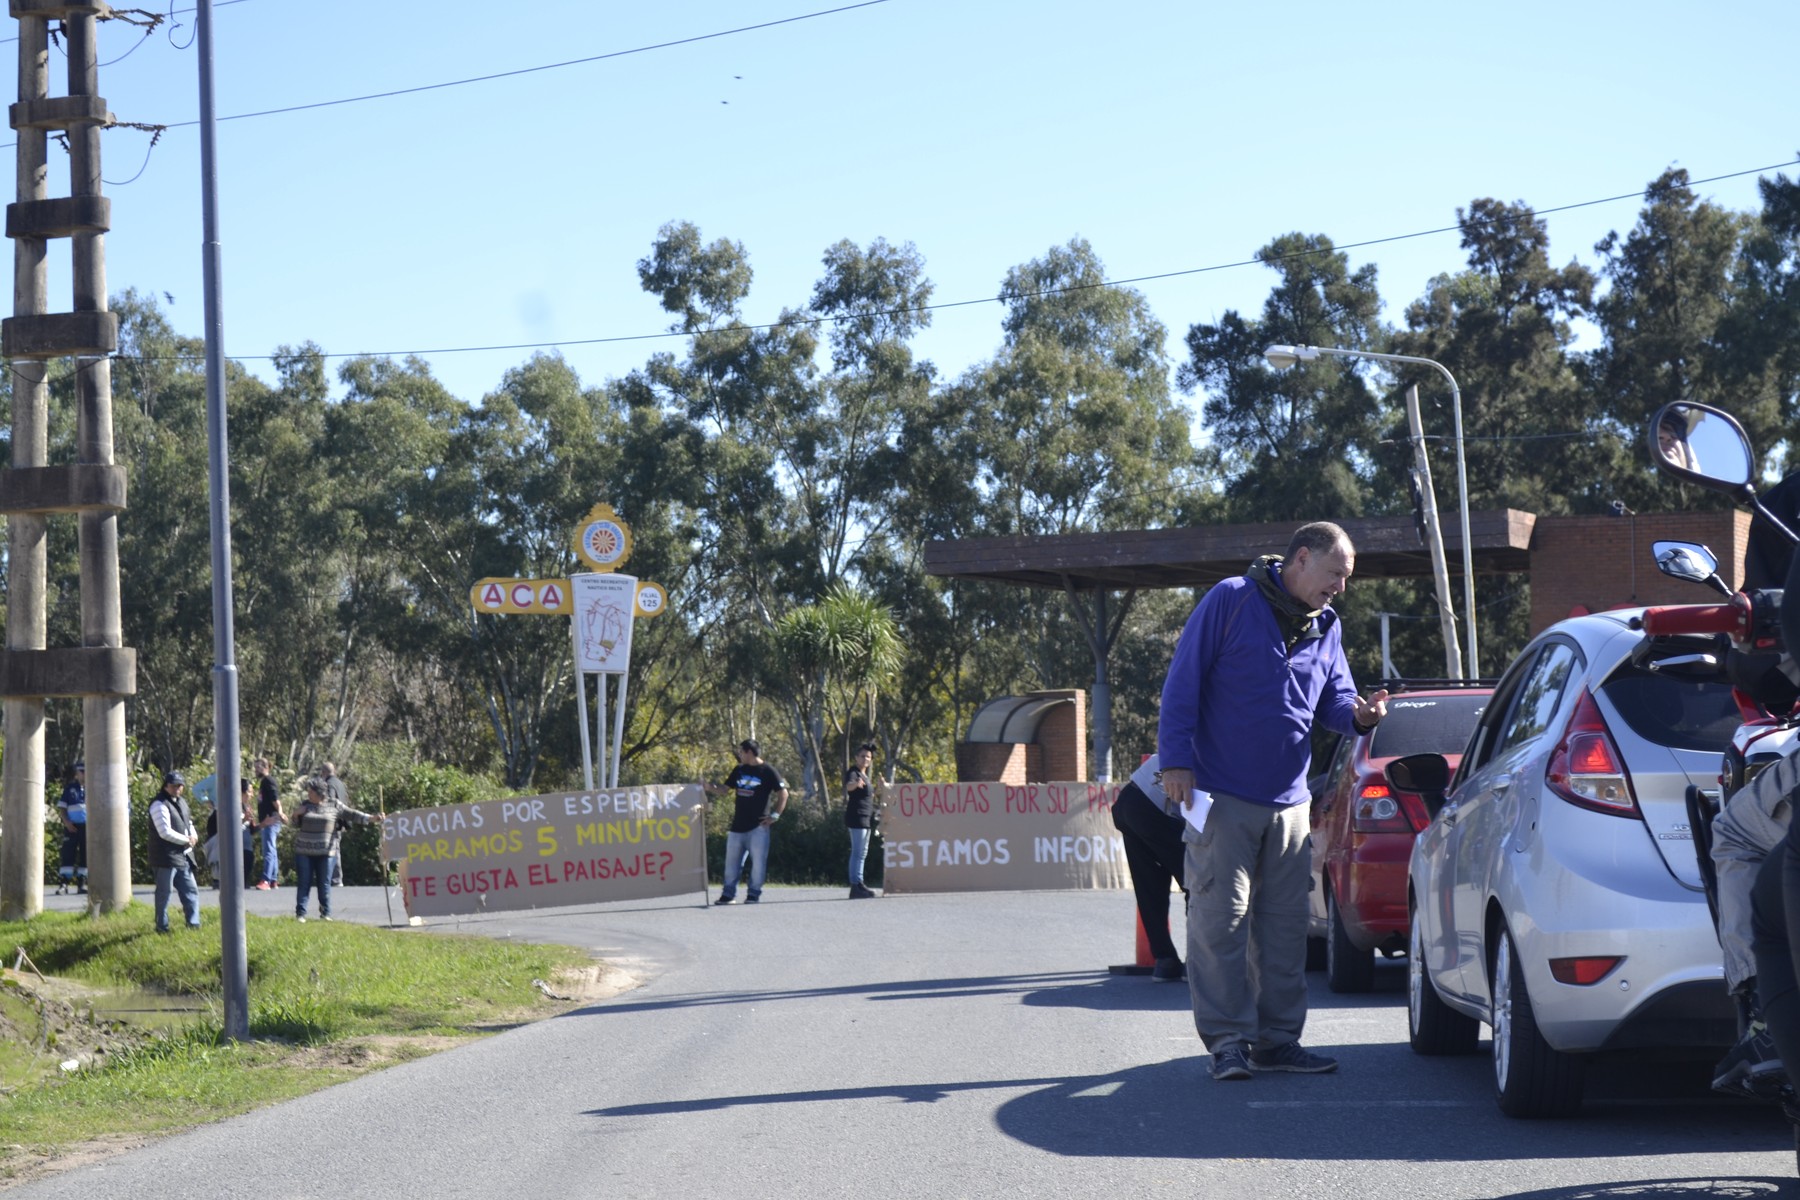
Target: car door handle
1501,782
1447,814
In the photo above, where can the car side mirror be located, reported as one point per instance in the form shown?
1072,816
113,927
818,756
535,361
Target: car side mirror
1425,775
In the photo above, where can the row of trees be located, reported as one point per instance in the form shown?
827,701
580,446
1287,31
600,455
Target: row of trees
781,483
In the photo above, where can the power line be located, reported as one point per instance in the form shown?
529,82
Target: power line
573,62
949,304
172,12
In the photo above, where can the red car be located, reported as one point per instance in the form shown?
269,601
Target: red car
1362,831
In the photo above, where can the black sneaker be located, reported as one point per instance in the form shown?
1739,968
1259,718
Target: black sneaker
752,899
1230,1063
860,892
1168,970
1290,1057
726,900
1752,1067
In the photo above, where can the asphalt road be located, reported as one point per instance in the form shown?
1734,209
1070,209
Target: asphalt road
930,1046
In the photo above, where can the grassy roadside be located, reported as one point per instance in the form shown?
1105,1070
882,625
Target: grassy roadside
328,1001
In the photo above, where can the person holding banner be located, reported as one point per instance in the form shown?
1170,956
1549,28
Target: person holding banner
762,795
859,816
1155,853
1259,662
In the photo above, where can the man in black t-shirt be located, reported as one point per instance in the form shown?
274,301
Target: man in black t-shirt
761,796
859,816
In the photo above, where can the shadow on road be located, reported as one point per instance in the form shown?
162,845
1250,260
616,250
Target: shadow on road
1735,1188
1095,990
1172,1110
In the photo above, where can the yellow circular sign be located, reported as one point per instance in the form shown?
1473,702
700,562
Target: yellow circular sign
603,540
651,599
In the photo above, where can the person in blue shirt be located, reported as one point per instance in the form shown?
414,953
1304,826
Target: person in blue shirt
1259,662
72,810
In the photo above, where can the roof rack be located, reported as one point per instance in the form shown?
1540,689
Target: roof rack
1414,685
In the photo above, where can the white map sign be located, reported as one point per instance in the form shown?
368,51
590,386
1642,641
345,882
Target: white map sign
604,607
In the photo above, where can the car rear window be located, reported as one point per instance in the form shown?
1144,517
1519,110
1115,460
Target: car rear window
1688,714
1426,725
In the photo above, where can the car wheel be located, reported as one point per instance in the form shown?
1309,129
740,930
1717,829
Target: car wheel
1531,1079
1432,1026
1347,969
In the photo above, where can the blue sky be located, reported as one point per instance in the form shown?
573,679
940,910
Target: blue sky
1172,136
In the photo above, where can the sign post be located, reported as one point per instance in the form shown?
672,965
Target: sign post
603,607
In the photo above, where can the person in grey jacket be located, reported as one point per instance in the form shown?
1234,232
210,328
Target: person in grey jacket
318,823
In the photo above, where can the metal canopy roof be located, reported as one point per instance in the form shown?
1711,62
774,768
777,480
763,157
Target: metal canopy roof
1011,718
1386,547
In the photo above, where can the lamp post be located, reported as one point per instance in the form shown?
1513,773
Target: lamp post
1282,357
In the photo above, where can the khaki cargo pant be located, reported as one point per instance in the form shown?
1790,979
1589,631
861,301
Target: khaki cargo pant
1248,873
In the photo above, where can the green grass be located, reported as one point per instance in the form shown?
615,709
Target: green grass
327,1002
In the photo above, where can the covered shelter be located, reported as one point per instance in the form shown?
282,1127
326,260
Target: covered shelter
1102,573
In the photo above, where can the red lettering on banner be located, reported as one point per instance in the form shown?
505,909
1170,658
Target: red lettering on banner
1021,799
492,597
538,875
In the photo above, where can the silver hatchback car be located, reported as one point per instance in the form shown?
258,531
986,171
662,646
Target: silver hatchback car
1555,895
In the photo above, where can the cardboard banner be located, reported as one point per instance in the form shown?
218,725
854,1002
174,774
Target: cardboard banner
546,851
998,837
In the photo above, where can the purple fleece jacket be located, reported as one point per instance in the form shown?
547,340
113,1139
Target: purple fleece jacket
1238,708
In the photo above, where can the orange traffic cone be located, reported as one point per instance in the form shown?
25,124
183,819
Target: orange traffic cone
1145,960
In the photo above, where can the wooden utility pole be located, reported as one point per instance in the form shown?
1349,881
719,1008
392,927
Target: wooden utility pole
100,671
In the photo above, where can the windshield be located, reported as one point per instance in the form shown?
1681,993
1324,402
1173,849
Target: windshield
1426,725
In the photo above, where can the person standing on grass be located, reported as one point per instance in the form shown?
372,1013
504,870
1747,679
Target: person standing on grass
318,822
269,820
172,839
761,794
1260,661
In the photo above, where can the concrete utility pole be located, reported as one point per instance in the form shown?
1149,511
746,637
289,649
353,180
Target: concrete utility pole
1434,539
100,671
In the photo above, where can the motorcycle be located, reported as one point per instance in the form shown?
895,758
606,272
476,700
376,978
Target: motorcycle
1699,444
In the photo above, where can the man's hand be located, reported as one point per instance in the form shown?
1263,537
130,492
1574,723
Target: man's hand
1178,785
1370,711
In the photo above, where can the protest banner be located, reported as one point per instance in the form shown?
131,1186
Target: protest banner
547,851
999,837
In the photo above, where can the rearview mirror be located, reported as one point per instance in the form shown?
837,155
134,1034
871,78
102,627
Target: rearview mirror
1701,444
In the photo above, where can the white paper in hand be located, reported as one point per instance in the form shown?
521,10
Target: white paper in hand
1196,812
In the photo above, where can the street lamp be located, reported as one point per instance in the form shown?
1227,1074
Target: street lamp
1282,357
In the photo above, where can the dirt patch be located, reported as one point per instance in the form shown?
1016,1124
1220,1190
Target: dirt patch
49,1024
25,1165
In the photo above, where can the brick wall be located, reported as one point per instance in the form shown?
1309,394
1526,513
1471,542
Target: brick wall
1063,735
1597,563
1059,753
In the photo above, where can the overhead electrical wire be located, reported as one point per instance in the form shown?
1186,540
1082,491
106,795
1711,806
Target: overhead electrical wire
1000,299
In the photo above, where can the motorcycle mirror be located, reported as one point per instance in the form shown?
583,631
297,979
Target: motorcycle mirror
1690,561
1701,444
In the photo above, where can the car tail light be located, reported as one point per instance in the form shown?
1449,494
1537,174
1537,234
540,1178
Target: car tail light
1583,971
1378,811
1587,769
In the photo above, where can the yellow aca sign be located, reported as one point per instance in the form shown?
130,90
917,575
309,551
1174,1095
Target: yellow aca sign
516,596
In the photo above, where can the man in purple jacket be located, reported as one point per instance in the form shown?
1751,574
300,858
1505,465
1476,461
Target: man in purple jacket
1260,660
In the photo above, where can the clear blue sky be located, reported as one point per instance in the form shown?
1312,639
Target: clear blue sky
1172,136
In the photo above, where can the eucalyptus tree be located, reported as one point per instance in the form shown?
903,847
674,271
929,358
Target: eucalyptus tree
1674,282
795,462
1293,444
